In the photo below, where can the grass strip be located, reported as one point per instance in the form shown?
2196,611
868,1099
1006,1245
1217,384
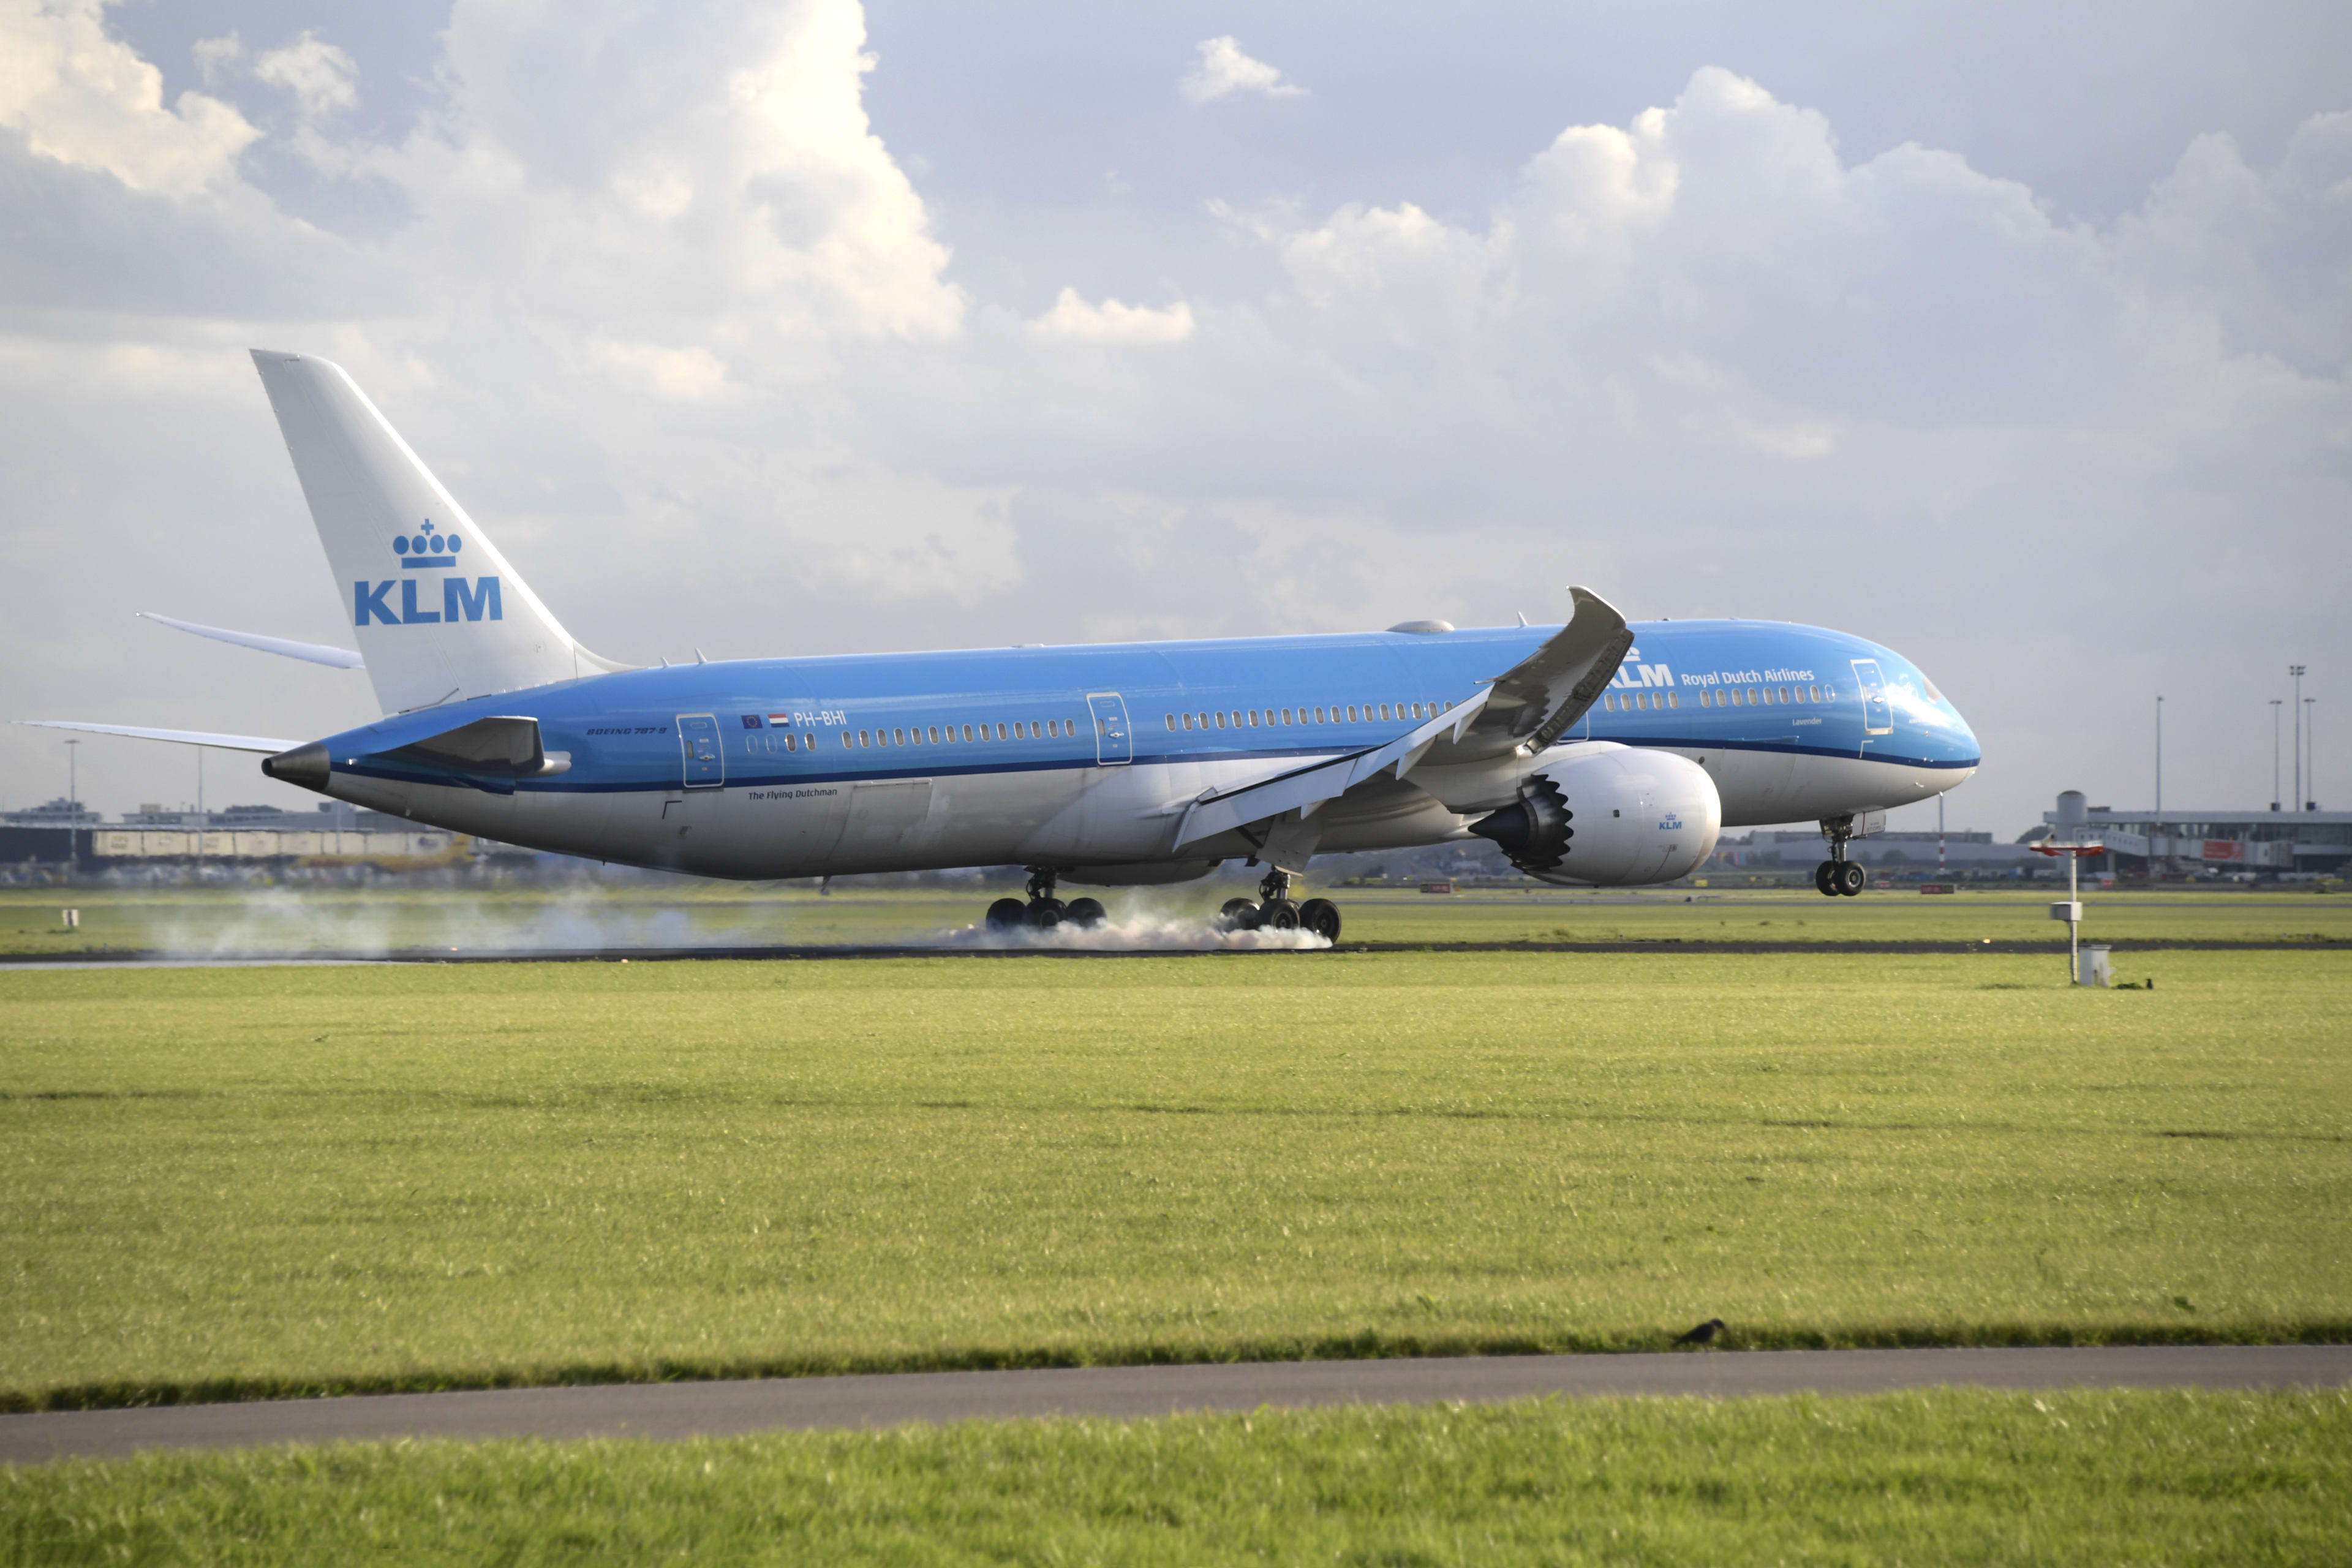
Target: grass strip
249,1182
1935,1475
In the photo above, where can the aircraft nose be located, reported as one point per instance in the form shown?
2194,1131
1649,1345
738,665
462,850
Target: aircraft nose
1964,745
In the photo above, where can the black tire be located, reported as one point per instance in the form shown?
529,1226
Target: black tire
1852,878
1005,914
1085,913
1825,878
1237,914
1320,916
1277,914
1043,914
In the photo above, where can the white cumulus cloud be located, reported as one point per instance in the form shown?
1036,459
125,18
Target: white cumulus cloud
322,78
1224,70
1111,324
83,99
747,206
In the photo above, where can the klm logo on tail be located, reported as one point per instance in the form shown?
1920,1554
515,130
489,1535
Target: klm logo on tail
434,552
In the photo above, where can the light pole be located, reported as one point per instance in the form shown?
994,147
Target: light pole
2296,670
2159,760
2275,796
2311,740
73,806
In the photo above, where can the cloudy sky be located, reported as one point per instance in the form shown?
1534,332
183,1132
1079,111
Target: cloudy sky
2016,337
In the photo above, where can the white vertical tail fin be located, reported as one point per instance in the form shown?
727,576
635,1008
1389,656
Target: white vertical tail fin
438,612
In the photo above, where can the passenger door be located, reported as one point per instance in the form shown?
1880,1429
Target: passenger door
1113,743
697,744
1877,716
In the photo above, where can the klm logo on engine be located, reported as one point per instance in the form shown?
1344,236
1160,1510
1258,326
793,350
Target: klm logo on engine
430,551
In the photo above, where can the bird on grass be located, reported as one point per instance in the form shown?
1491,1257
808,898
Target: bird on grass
1703,1334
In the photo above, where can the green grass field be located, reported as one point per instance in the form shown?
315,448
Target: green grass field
255,1180
686,913
2069,1478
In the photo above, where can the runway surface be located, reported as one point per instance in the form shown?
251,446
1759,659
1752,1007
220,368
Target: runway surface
669,1411
151,958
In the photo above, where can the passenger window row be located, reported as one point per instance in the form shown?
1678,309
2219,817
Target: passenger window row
1641,702
1754,696
1276,717
1070,729
948,735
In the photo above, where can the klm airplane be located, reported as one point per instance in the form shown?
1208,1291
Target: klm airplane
1599,754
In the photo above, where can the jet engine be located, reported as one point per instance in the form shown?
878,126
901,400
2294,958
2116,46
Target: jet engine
1597,813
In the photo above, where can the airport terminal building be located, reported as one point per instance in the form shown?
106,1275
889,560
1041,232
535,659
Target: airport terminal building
2261,844
337,836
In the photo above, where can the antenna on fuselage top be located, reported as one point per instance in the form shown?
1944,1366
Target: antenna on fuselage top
1522,614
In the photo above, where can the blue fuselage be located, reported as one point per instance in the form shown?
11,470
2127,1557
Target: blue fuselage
1687,685
1791,721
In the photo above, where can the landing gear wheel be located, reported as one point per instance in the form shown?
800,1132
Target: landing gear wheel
1006,914
1320,916
1043,914
1277,914
1825,878
1851,877
1085,913
1237,914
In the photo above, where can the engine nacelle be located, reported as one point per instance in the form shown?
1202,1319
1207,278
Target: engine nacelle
1597,813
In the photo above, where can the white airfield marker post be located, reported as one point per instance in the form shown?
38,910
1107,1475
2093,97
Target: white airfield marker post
2070,911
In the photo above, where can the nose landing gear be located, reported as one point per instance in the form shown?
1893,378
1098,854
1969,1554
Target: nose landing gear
1044,911
1837,876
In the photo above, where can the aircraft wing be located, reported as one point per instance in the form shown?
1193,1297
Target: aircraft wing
315,653
1534,703
1529,707
1305,789
261,743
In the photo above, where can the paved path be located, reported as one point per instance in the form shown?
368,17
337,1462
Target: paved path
674,1410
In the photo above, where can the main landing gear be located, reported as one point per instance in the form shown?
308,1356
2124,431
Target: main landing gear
1044,911
1274,911
1837,876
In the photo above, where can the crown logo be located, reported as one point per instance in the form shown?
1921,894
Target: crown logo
427,548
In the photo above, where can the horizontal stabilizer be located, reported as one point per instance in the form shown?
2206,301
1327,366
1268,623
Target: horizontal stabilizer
312,652
261,743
